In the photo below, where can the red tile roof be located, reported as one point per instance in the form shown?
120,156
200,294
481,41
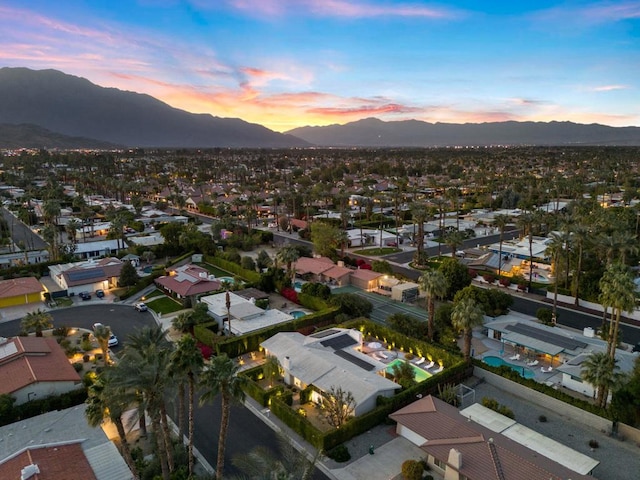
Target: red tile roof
486,455
189,280
313,265
19,286
34,359
364,274
61,462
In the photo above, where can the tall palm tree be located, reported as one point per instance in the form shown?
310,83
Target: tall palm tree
453,240
186,365
143,368
617,291
419,214
581,237
599,369
501,221
554,249
222,378
288,255
466,315
102,334
106,401
434,284
37,321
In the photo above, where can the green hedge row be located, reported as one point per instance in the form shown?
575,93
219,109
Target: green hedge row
204,334
296,422
30,409
514,376
403,342
141,284
248,275
235,346
312,302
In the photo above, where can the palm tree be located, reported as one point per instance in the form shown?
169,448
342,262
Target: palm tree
420,214
434,284
106,401
554,249
453,240
102,334
186,363
36,321
143,368
616,291
581,237
599,369
288,255
466,315
500,221
222,378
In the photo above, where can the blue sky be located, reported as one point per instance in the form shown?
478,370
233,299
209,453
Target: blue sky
290,63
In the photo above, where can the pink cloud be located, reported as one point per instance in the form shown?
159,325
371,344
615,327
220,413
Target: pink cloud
340,8
609,88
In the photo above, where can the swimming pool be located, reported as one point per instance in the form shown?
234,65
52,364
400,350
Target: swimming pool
420,374
297,313
498,362
297,286
225,279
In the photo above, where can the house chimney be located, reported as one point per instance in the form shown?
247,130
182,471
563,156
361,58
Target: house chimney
455,459
29,471
286,363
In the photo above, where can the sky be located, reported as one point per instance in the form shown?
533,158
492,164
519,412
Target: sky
292,63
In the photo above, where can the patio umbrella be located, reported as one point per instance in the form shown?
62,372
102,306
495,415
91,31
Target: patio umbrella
374,345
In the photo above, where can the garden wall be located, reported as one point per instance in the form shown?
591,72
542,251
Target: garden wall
591,305
544,400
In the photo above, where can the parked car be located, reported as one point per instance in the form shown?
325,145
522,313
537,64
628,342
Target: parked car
113,340
85,295
100,293
141,307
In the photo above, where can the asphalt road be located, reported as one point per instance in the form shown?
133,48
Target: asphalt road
20,233
245,430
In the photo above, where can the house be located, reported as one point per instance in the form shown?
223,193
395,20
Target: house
20,291
101,248
405,292
35,367
245,316
311,269
338,275
331,359
59,445
484,445
187,282
88,276
366,280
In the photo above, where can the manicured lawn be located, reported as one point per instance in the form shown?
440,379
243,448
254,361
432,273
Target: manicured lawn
163,305
155,293
218,272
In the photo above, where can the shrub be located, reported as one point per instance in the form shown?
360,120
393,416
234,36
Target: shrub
593,443
339,453
505,282
542,419
77,366
489,278
412,470
62,331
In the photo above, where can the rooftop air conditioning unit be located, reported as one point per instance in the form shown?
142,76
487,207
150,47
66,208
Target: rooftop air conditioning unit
29,471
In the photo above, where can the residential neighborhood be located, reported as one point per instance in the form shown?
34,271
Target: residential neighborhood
329,301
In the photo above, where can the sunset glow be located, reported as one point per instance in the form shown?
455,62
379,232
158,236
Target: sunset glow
291,63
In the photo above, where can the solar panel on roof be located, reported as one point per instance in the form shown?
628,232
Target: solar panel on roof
79,275
548,337
339,342
359,362
324,333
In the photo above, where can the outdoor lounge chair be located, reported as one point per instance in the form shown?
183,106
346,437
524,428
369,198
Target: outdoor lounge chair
429,365
533,363
439,369
383,355
420,361
515,357
546,370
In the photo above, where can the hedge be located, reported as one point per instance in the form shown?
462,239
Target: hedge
235,346
312,302
44,405
204,334
234,268
296,422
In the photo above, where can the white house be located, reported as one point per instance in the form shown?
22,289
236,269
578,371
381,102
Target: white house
331,358
89,276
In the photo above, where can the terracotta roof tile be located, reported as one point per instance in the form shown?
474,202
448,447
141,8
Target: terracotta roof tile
19,286
53,462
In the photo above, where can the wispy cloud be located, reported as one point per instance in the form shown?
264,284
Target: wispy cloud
589,15
341,9
608,88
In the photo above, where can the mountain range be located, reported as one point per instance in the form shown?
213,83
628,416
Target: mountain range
51,109
75,107
372,132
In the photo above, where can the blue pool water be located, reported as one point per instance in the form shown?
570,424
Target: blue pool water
498,362
225,279
297,313
420,374
297,286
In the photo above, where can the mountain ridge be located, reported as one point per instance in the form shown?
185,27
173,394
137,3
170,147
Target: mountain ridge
75,107
373,132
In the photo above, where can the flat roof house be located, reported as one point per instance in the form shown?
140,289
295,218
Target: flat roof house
331,358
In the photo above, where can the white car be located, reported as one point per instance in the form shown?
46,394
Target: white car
113,340
141,307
